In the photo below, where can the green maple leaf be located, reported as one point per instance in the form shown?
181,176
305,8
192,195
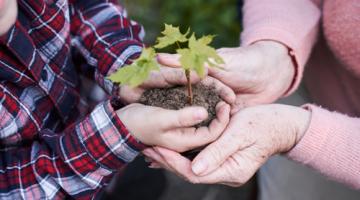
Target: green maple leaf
191,61
138,72
198,54
171,35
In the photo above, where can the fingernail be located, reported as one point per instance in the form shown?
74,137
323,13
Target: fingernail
199,167
200,114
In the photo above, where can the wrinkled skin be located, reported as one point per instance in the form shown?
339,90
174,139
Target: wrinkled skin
259,74
252,136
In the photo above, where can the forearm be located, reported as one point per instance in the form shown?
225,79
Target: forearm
331,146
77,162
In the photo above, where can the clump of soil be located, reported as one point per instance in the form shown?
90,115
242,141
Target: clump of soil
176,98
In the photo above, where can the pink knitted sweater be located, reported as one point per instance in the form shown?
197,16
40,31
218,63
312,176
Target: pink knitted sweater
324,35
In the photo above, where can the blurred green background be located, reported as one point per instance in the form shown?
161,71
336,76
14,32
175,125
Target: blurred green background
218,17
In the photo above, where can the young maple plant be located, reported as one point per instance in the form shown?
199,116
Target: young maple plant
194,57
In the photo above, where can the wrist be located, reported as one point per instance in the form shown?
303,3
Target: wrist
303,123
128,119
301,120
277,56
289,124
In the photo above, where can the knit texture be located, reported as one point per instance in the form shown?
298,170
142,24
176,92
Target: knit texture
331,144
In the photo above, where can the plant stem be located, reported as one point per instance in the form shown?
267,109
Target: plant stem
189,86
188,80
178,45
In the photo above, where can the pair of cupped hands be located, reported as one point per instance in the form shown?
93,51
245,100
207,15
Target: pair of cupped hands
245,133
247,130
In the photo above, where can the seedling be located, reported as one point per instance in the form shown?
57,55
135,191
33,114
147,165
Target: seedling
195,56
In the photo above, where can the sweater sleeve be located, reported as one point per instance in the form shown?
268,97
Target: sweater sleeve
78,162
331,146
292,23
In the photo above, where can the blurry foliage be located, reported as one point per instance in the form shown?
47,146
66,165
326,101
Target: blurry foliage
218,17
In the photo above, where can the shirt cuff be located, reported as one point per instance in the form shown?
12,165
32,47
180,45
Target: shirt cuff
122,53
320,127
106,139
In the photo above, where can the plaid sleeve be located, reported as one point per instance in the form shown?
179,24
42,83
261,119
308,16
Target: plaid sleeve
78,162
104,37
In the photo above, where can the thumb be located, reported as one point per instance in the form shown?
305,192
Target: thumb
186,117
216,153
236,171
170,60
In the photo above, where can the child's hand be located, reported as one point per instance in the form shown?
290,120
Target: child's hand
170,77
173,129
8,14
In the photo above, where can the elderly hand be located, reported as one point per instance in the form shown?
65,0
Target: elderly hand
252,136
259,73
8,15
170,77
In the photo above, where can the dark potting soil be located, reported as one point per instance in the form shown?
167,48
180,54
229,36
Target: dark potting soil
176,98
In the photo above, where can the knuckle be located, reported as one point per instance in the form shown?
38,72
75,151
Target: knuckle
216,153
240,103
181,121
179,75
212,136
227,95
186,118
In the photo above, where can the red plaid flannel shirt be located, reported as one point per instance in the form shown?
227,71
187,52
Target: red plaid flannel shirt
48,149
